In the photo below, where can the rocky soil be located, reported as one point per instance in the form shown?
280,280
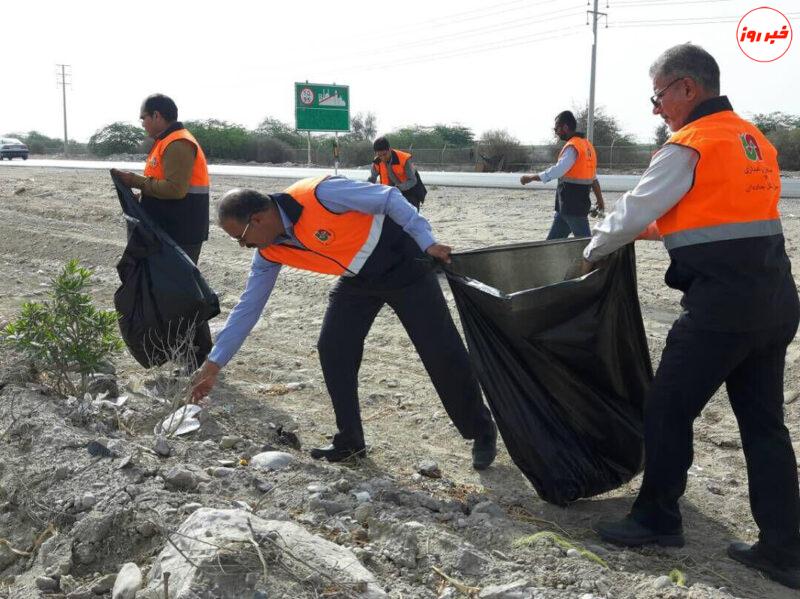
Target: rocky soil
93,503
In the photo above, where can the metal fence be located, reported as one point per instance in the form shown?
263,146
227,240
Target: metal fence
476,158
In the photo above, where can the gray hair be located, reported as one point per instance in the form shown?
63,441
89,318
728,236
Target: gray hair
688,60
241,204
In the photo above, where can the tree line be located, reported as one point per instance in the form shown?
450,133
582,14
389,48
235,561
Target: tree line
274,141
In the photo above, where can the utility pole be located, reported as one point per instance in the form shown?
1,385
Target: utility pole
590,114
62,81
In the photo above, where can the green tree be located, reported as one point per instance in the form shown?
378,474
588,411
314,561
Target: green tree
787,142
66,337
364,126
607,130
220,139
775,121
277,129
456,135
415,136
116,138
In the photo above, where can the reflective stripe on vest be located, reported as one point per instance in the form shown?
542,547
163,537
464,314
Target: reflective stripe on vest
154,167
398,169
584,170
736,185
334,244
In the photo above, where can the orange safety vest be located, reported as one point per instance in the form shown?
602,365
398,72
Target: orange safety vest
398,169
584,171
736,184
333,244
154,167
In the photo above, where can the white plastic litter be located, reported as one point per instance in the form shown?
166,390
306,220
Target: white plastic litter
181,422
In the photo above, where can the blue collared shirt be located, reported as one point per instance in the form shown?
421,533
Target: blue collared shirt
337,194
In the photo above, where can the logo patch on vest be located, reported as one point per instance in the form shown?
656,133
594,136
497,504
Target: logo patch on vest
751,149
154,162
324,236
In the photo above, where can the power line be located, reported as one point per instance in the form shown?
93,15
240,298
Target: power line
496,28
684,22
468,15
488,47
663,2
457,35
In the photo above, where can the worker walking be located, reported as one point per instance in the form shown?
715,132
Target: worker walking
713,192
576,171
396,168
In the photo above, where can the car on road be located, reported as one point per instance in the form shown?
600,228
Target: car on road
12,148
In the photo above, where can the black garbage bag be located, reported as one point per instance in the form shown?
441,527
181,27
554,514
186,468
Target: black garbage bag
563,363
163,296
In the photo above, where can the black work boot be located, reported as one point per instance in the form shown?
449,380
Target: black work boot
337,454
753,556
630,533
484,449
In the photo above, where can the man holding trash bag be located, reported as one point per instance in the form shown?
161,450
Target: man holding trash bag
711,193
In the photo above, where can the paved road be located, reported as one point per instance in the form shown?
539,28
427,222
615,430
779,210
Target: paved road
618,183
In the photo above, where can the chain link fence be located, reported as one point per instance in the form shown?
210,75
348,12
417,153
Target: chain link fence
477,158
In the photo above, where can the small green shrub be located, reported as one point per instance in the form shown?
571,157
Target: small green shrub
66,338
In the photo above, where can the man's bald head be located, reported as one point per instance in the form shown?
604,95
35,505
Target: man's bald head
240,204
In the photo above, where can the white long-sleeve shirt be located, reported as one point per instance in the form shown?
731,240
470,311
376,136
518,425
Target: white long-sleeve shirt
668,178
559,169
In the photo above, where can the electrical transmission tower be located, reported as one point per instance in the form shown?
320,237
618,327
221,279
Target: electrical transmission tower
61,78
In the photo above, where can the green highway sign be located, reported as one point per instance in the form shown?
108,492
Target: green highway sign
321,107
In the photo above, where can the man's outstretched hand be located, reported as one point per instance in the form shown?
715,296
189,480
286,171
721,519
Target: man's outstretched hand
440,252
203,380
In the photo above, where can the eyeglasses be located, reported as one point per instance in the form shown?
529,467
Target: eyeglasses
241,238
655,99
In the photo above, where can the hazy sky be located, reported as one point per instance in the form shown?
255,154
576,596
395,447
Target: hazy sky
509,64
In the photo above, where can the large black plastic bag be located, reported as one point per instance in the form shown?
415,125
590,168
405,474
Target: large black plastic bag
564,364
162,294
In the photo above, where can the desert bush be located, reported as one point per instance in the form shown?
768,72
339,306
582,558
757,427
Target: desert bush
262,148
504,149
66,338
356,153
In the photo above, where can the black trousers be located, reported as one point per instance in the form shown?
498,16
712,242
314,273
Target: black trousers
423,312
693,366
202,337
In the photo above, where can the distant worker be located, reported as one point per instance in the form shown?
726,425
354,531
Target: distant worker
396,169
711,193
175,190
576,171
377,244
